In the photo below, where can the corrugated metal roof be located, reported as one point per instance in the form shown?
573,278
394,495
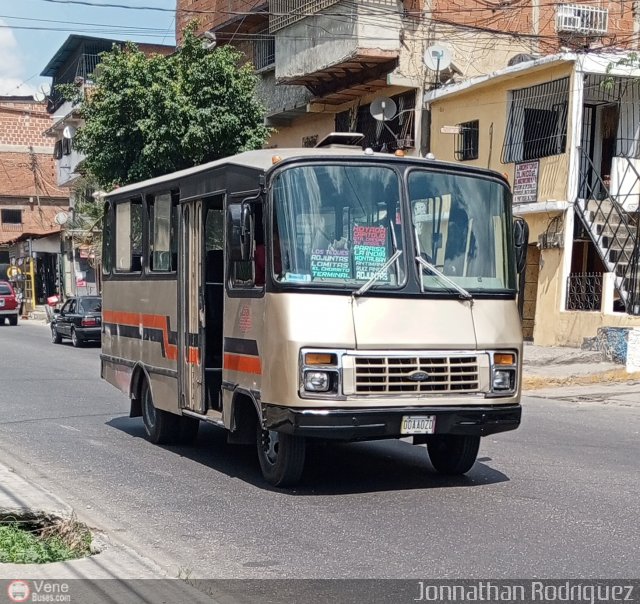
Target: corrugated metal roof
74,41
66,51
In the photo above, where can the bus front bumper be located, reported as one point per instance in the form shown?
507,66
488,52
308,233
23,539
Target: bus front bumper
369,424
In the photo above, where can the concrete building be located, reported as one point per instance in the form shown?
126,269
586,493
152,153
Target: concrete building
29,200
564,129
323,62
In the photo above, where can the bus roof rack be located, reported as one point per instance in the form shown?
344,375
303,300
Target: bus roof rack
341,139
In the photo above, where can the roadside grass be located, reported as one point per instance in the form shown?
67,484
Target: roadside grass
37,542
535,382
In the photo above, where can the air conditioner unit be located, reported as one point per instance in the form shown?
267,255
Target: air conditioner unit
582,19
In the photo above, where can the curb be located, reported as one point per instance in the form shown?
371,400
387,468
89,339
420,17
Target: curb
112,560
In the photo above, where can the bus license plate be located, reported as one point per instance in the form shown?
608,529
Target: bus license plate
418,424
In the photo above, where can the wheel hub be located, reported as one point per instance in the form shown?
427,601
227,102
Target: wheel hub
270,445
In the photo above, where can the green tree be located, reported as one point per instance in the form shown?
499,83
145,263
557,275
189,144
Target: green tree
147,116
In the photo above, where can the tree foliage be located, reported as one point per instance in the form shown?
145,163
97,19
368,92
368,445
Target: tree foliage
148,116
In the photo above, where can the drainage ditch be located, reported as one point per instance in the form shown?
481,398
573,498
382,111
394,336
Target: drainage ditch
38,538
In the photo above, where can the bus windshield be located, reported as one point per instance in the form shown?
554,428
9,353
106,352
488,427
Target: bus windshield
338,225
461,227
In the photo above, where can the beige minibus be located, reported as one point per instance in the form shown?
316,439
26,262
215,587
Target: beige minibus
329,293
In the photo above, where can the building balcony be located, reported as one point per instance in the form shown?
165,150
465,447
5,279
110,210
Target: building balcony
79,71
337,50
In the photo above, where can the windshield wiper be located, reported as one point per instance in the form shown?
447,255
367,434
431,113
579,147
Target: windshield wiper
367,286
461,290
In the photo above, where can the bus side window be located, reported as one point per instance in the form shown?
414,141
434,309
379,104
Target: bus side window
129,236
107,240
162,214
136,236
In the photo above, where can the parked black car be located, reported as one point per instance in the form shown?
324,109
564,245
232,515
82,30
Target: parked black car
79,319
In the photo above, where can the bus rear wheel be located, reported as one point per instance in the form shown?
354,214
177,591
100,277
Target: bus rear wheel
453,454
281,456
161,427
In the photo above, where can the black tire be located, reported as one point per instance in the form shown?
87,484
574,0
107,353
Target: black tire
75,339
56,338
453,454
13,320
161,427
281,456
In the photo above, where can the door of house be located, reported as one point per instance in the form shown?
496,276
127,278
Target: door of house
599,132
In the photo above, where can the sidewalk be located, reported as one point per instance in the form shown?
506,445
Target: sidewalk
19,497
112,560
562,372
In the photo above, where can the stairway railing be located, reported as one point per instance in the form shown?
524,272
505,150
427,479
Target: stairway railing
613,232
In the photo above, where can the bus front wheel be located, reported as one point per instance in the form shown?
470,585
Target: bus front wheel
281,456
453,454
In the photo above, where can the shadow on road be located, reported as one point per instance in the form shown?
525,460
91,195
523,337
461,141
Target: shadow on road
331,468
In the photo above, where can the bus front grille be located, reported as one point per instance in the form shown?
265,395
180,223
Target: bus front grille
391,374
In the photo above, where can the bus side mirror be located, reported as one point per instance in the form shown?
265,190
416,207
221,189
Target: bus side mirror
234,231
520,242
239,232
246,231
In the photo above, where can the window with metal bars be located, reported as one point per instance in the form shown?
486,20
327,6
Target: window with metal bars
397,133
264,50
537,122
11,216
467,141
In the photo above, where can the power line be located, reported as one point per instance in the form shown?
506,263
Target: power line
123,6
379,14
140,28
160,34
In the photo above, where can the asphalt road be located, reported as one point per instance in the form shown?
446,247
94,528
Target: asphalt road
557,498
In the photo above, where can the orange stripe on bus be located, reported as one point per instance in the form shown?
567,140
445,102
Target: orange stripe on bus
132,319
194,356
244,364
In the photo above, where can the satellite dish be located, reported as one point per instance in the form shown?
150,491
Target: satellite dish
383,109
42,94
61,218
213,40
437,58
68,132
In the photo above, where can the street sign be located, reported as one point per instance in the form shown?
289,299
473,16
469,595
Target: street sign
13,272
450,129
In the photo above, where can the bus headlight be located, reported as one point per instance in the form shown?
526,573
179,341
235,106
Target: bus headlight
504,371
320,374
317,381
503,379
